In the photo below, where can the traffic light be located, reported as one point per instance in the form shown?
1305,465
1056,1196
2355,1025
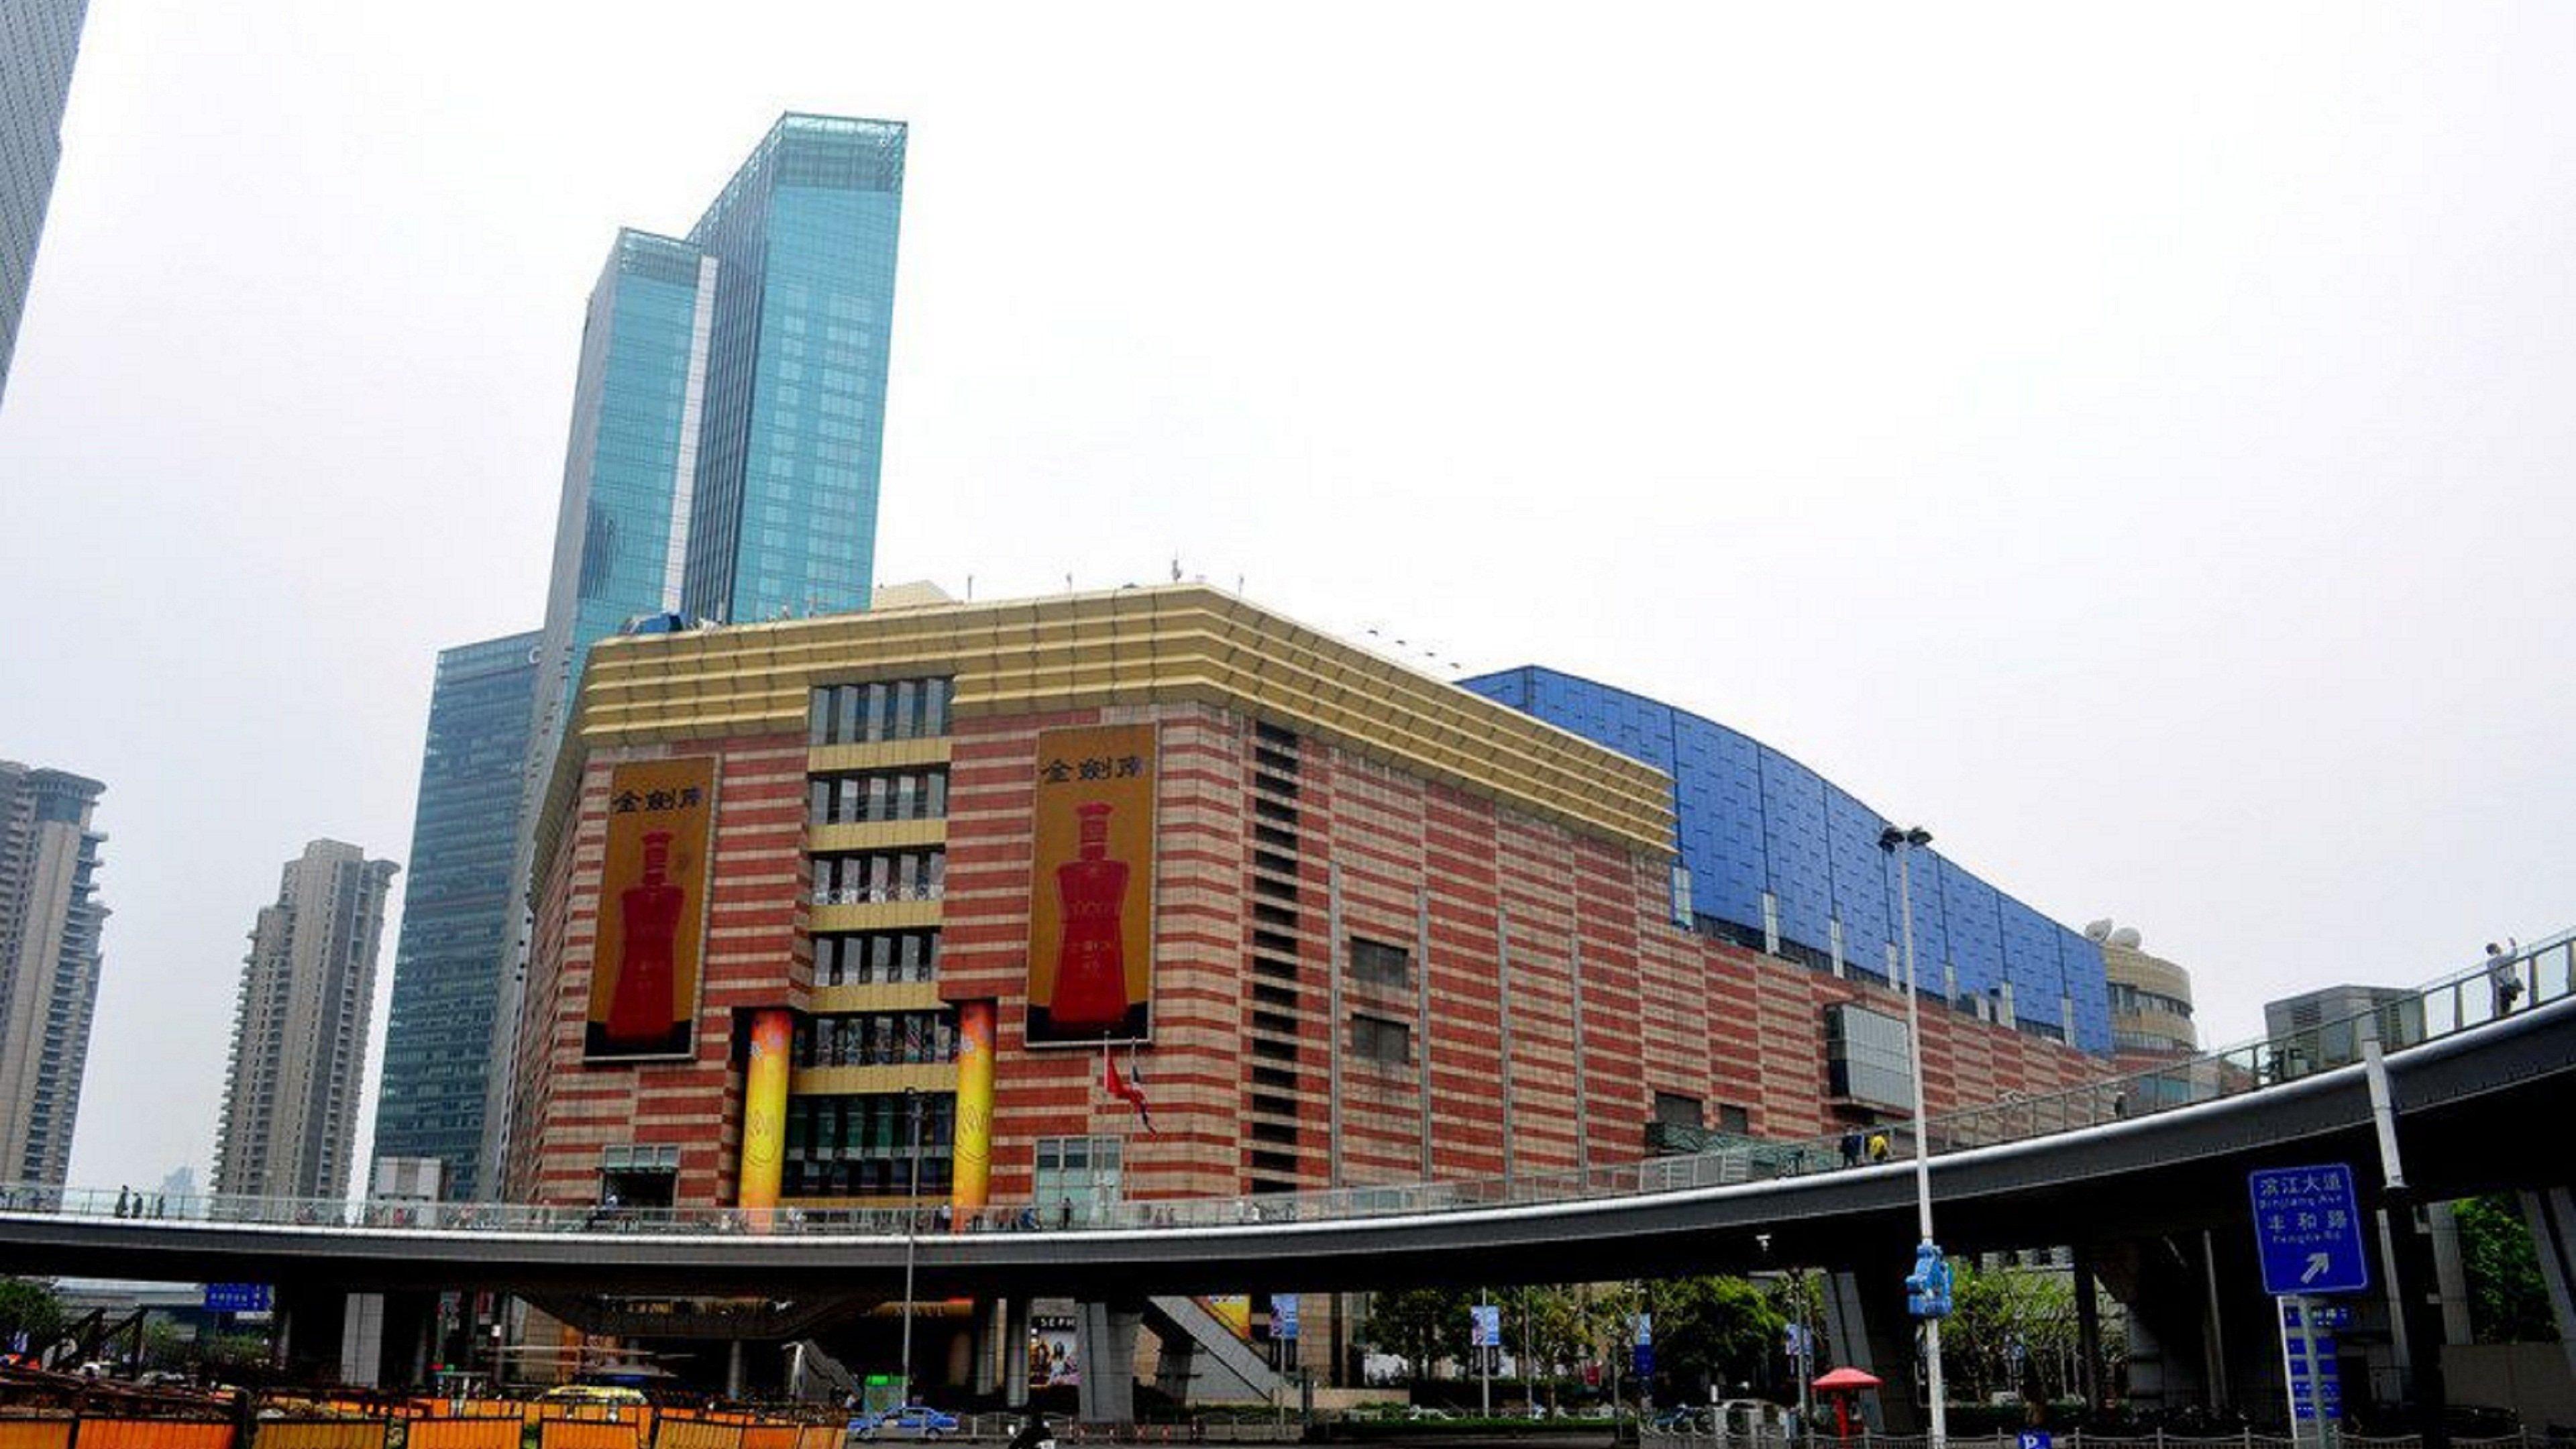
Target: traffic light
1927,1288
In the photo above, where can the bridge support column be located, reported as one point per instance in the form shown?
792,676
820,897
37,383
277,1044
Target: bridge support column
2552,1216
1105,1342
1866,1326
2088,1331
1015,1352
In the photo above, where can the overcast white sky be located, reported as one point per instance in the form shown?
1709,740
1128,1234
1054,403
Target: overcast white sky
2136,445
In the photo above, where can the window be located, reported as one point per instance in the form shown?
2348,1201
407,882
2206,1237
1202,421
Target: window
1672,1109
1374,963
871,877
860,1145
876,1039
1077,1179
868,797
870,958
1376,1039
900,709
1737,1120
1866,1059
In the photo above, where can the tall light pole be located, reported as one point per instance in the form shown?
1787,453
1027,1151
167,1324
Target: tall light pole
911,1236
1902,844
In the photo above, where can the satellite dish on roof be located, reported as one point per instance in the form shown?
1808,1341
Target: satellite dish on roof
2099,930
2126,938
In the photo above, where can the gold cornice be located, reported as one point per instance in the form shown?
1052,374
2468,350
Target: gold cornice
1169,644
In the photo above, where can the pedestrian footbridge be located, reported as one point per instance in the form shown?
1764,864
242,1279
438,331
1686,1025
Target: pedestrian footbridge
2481,1102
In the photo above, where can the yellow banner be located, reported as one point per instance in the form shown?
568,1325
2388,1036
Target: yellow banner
764,1111
652,910
1091,899
970,1157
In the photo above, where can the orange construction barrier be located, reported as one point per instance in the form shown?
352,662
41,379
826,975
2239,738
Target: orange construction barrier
674,1432
35,1433
317,1434
157,1434
769,1436
821,1436
483,1433
581,1434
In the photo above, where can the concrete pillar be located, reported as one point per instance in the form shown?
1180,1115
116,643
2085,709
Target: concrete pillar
1176,1365
2088,1331
2450,1274
1866,1328
1015,1353
362,1340
990,1316
1104,1343
2552,1218
733,1370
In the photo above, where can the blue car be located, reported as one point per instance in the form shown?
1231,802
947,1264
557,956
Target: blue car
912,1421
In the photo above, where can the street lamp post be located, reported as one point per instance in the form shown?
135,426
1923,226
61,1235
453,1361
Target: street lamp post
1902,844
911,1235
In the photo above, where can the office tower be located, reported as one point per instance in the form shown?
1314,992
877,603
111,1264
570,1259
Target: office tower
300,1027
38,41
460,907
728,410
730,405
49,961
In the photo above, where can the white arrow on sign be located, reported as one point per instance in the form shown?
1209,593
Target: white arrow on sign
2319,1264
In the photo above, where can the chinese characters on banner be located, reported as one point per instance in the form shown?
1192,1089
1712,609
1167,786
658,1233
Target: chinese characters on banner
652,910
1091,892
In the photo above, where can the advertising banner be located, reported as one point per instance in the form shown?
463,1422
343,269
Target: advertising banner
652,910
1091,896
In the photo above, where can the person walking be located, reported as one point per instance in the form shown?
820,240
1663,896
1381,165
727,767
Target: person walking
1878,1146
2502,979
1851,1148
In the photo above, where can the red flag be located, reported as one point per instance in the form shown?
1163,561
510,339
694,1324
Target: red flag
1124,1090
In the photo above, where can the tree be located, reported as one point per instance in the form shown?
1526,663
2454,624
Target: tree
29,1307
1712,1332
1419,1325
2506,1302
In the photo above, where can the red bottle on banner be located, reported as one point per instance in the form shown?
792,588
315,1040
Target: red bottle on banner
1091,958
640,1011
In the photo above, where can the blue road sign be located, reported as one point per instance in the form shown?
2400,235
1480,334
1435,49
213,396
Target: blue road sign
2035,1439
2307,1225
1283,1316
237,1298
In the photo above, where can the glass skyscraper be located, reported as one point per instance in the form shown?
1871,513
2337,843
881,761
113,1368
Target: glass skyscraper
460,911
727,426
38,41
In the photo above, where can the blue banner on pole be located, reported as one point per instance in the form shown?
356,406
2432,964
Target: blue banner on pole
1486,1325
1283,1316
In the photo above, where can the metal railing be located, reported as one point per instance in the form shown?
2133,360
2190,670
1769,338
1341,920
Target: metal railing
2463,1001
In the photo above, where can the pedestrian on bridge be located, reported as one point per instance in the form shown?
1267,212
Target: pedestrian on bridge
2502,978
1851,1148
1878,1146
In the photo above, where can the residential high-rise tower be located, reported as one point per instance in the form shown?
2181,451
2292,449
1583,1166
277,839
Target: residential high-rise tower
38,41
49,963
728,416
300,1027
460,908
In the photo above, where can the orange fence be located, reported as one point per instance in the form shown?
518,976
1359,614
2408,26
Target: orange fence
770,1436
35,1433
312,1434
679,1433
156,1434
821,1436
479,1433
584,1434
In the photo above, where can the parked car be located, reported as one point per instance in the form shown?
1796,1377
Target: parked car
912,1421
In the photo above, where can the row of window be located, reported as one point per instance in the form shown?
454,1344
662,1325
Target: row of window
868,1125
872,877
876,1039
875,958
880,795
884,709
2130,999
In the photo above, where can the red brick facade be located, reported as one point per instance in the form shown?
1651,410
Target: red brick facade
1274,852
